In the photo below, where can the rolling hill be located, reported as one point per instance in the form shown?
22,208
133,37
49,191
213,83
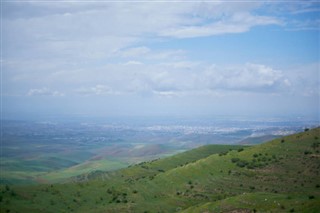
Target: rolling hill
282,175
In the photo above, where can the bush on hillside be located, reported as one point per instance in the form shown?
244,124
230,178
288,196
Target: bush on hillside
242,163
235,160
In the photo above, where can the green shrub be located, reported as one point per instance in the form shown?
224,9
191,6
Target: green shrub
311,197
307,152
13,194
234,160
242,163
315,145
250,166
223,153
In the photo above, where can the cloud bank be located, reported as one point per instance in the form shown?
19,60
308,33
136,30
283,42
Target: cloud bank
180,52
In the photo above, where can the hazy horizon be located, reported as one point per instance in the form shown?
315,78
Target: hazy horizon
160,59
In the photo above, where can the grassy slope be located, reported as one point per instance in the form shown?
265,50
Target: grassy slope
155,167
25,176
260,201
282,177
60,167
27,169
85,167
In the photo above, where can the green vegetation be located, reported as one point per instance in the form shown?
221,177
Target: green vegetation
27,176
34,168
278,176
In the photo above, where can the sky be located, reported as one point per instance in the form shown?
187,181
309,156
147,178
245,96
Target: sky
159,58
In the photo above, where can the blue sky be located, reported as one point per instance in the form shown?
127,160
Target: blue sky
196,58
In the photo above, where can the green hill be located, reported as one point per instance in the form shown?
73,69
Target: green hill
157,166
278,176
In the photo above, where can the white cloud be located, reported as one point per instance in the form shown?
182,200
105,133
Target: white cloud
248,77
309,24
287,82
174,79
168,94
149,54
133,63
237,23
304,80
182,64
97,90
100,48
134,52
43,92
168,54
91,30
182,79
83,44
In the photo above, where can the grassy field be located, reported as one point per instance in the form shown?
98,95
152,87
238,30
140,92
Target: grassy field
59,165
277,176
